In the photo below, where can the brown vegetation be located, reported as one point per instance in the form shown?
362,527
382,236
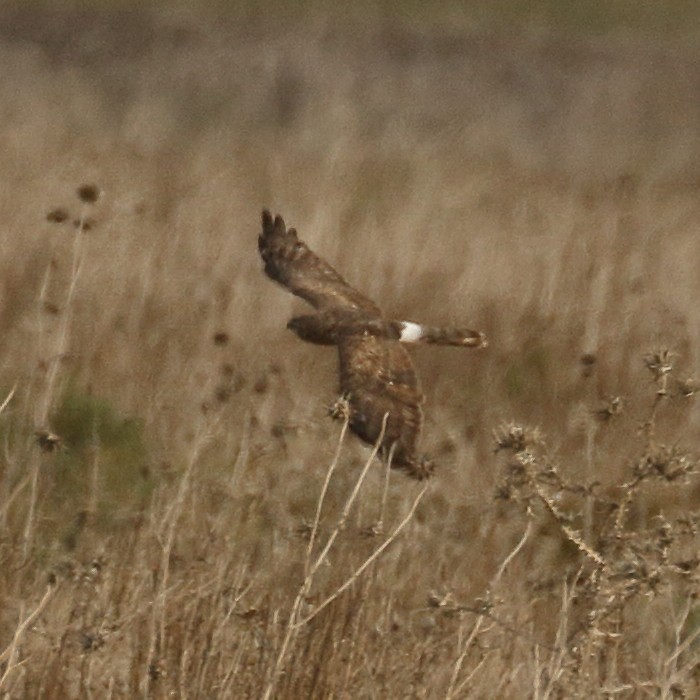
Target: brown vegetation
179,518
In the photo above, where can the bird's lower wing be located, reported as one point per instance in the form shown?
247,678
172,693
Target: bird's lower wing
378,379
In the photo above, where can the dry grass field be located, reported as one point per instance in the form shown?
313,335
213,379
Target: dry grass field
179,518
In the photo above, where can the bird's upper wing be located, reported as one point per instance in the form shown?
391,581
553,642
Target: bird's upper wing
378,378
292,263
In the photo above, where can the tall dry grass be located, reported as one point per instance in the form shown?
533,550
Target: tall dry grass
180,519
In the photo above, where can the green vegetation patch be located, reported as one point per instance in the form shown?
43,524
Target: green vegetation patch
102,466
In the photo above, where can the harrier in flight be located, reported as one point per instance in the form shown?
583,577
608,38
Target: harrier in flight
377,378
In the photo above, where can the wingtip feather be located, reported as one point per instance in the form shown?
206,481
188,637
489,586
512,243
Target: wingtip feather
280,227
267,226
275,226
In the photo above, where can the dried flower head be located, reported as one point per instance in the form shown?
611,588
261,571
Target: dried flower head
58,215
51,308
222,393
340,409
588,361
659,363
91,641
227,369
88,193
221,338
516,438
48,441
669,464
441,600
420,468
612,406
86,224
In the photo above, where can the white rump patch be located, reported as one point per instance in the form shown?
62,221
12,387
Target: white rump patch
410,332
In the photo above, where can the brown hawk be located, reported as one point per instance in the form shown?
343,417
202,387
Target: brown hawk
377,377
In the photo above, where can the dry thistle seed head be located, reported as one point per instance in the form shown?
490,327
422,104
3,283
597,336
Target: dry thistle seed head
48,441
665,463
304,530
611,407
85,224
222,393
58,215
659,363
516,438
340,409
437,600
88,193
373,530
155,671
248,614
227,369
588,361
91,641
525,458
420,468
665,535
51,308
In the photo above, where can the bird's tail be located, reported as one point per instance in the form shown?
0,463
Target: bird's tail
410,332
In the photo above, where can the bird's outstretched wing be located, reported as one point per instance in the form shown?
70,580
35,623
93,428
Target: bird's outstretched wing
378,379
293,264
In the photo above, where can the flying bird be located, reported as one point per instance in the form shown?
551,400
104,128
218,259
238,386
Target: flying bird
378,382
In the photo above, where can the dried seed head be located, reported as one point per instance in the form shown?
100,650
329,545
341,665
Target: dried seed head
48,441
227,369
659,363
221,338
373,530
588,361
437,600
91,642
340,409
222,393
51,308
58,215
612,406
248,614
85,224
588,358
420,468
88,193
668,464
516,438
